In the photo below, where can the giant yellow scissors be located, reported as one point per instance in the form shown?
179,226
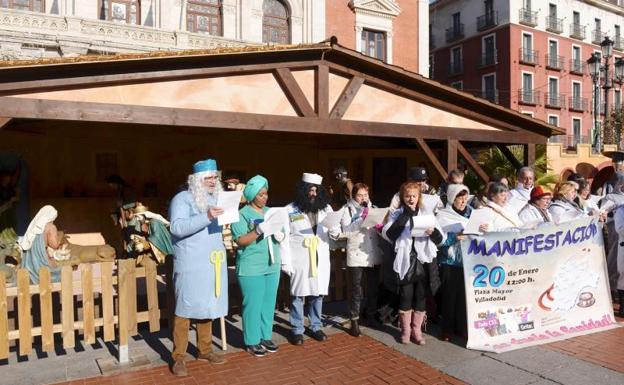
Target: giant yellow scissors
217,257
312,243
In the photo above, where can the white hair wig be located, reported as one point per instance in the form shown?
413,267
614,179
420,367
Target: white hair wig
199,192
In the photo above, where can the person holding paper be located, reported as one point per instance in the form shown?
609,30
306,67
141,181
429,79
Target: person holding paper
306,257
418,175
564,208
257,268
199,264
501,218
363,256
413,272
536,211
453,219
610,203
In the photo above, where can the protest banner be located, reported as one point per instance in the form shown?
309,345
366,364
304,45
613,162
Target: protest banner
536,286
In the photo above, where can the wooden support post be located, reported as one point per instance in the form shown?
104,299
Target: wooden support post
510,156
45,304
473,163
436,163
152,295
451,155
132,299
529,154
4,321
67,307
293,92
23,310
108,311
321,91
123,268
88,323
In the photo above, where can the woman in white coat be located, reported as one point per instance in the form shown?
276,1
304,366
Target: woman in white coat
564,208
363,256
536,211
502,219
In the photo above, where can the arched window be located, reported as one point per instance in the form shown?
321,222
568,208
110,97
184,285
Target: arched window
275,23
120,11
23,5
204,16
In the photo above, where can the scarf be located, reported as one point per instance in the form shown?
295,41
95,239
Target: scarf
425,249
542,212
503,213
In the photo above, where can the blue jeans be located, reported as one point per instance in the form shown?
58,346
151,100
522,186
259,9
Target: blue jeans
315,309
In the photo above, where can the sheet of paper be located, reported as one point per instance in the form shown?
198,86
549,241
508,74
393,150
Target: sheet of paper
453,228
275,220
608,206
431,203
422,223
594,199
477,218
332,220
374,217
228,201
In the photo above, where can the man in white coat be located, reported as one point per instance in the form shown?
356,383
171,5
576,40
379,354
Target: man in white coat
305,257
521,195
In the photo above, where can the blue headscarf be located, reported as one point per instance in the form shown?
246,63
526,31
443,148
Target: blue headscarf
253,187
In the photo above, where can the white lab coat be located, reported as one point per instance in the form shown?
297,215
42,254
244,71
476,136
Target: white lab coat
618,219
564,211
296,258
502,219
362,244
531,214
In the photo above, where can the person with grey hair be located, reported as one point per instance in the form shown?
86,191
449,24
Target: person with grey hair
501,217
609,203
521,195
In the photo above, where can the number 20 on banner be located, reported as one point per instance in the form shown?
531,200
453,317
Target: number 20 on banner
495,277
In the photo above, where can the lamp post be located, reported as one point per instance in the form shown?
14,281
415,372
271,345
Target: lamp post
595,70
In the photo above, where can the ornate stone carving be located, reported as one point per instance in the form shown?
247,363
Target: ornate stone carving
127,32
383,8
30,20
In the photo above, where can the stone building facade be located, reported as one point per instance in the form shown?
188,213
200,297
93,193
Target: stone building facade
387,29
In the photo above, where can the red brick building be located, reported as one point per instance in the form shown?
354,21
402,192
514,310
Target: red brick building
529,58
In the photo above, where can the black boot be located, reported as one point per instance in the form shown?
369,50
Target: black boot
355,328
621,311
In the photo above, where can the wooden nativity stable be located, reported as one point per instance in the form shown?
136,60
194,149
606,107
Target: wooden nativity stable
271,110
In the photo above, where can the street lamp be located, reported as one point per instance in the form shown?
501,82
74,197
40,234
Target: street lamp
595,69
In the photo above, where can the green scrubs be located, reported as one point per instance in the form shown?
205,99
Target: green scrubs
258,278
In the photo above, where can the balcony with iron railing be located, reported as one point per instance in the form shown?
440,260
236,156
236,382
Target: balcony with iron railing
554,24
577,31
490,95
553,100
618,43
528,96
528,56
488,59
578,67
487,21
577,104
527,17
570,142
455,68
554,62
456,32
598,36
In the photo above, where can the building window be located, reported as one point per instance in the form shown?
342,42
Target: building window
554,120
617,100
553,99
204,16
456,65
488,50
576,131
275,22
374,44
527,94
488,88
120,11
24,5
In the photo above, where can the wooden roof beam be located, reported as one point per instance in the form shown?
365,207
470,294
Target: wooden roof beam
434,160
473,163
293,92
346,97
